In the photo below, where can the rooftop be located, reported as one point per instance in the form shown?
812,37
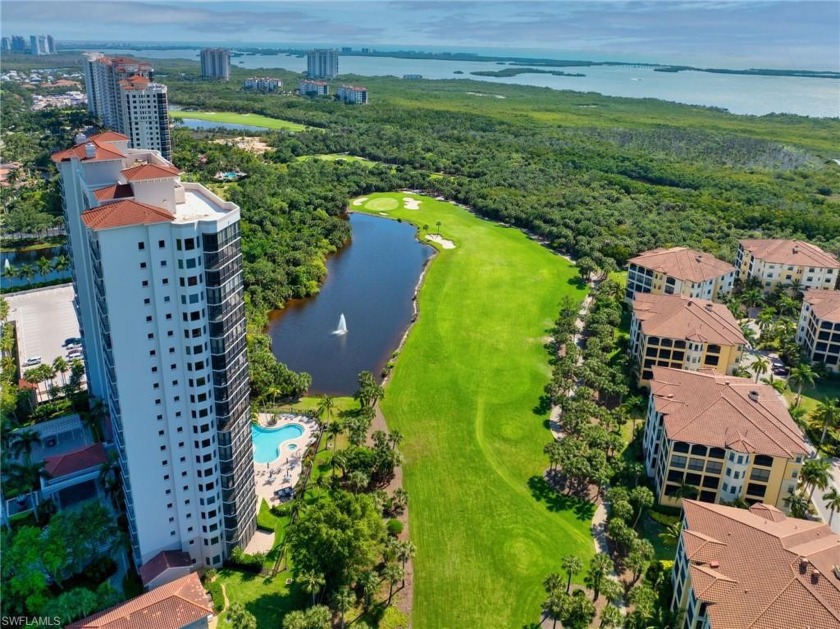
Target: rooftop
170,606
759,569
825,304
115,192
200,204
75,461
720,411
793,252
683,263
124,214
150,171
679,317
94,148
163,561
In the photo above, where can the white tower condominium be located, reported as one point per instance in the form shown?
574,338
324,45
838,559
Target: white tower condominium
322,64
121,91
215,63
158,278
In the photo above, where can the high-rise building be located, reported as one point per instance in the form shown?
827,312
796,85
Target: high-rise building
353,94
215,63
6,44
157,272
121,91
51,50
38,45
322,64
18,43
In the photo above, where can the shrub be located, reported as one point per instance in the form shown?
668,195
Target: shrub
281,511
249,563
215,590
663,519
395,527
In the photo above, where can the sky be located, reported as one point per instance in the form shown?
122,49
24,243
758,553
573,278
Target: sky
742,33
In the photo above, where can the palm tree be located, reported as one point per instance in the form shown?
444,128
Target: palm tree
344,599
395,438
600,566
4,310
760,367
393,573
61,263
671,533
44,267
438,226
611,617
572,565
405,551
326,405
555,606
832,501
22,442
61,366
798,504
827,412
778,385
816,473
800,376
312,582
27,272
368,581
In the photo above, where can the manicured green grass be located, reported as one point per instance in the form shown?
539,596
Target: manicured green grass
827,388
336,157
269,599
310,404
463,394
230,117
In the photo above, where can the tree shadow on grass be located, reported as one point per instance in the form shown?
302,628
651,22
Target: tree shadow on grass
543,407
555,501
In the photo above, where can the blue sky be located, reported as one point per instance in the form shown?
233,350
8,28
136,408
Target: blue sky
742,33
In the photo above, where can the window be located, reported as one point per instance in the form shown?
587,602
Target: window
142,265
148,318
147,301
141,245
161,243
154,369
763,460
145,283
168,316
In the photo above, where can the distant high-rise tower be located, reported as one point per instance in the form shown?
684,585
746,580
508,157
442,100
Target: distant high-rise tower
51,50
322,64
18,43
38,45
157,271
6,44
122,93
215,63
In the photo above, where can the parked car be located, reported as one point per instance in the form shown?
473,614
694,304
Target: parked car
778,367
32,361
76,353
73,340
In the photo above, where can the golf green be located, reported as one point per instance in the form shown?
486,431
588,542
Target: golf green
233,118
463,393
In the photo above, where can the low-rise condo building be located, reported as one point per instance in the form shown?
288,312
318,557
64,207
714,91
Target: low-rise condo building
724,436
756,568
313,88
684,333
819,327
353,94
787,262
679,271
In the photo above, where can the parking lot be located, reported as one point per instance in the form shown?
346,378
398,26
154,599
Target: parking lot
44,319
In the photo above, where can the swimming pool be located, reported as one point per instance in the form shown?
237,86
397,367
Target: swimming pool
267,441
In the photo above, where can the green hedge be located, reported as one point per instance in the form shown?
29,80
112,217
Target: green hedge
664,519
214,588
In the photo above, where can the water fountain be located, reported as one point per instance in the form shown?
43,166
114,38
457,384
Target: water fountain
341,330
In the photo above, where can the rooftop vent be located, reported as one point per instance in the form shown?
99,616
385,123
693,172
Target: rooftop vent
796,248
699,258
709,307
837,571
714,564
754,397
90,150
80,138
815,576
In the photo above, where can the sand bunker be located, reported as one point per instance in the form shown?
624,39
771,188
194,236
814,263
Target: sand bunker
443,242
253,145
411,204
360,201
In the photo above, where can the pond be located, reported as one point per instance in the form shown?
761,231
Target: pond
194,123
13,262
371,282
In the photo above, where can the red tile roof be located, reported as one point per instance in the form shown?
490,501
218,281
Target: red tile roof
170,606
825,304
135,82
163,561
124,214
76,461
680,317
150,171
115,192
109,136
104,151
725,412
757,569
793,252
683,263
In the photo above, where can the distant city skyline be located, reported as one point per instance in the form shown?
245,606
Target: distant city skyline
746,33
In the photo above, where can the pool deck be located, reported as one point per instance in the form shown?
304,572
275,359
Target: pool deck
285,470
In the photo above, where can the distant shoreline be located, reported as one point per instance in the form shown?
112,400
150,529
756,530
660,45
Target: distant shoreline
464,56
